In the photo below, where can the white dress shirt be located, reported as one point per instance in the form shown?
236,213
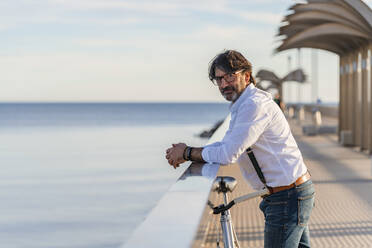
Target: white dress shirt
258,122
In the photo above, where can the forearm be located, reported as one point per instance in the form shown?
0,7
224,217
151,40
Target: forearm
196,154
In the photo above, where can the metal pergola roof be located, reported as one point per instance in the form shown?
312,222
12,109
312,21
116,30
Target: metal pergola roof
338,26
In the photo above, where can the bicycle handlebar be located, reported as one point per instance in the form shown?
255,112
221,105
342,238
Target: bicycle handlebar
221,208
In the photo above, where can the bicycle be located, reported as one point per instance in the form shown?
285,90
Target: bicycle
224,185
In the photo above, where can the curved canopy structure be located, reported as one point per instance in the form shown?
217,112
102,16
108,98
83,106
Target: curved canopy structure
296,75
276,82
343,27
338,26
265,75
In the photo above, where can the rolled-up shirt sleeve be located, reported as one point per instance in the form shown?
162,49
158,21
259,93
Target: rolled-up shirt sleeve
249,123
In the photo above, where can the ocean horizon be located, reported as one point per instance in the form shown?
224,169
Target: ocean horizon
24,114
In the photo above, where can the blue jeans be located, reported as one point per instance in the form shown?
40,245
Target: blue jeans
286,217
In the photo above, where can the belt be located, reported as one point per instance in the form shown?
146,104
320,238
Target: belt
302,179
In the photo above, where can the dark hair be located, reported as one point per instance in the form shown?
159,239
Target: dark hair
230,61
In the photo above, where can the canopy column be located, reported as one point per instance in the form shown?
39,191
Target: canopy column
342,109
364,134
370,98
349,96
357,101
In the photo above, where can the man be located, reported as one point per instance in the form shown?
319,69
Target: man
258,122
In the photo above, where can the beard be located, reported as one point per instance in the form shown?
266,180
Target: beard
229,93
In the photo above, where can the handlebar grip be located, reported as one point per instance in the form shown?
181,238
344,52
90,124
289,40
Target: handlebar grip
221,208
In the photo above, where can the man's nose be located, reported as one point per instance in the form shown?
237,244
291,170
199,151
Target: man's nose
223,83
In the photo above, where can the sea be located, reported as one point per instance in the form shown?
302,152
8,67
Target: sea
85,175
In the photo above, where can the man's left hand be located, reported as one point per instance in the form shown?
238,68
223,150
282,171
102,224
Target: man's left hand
175,154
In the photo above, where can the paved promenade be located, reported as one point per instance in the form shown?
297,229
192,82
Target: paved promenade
342,216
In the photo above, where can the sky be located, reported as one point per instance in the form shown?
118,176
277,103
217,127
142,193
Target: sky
143,50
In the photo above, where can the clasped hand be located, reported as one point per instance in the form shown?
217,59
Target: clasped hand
174,154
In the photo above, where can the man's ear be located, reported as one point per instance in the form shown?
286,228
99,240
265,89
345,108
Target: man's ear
247,78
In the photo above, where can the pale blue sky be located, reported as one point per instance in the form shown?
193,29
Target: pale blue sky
143,50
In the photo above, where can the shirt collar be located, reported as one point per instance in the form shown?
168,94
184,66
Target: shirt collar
248,91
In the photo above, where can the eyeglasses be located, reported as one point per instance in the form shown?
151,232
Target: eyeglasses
228,77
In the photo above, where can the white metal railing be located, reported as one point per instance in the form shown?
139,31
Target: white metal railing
175,219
